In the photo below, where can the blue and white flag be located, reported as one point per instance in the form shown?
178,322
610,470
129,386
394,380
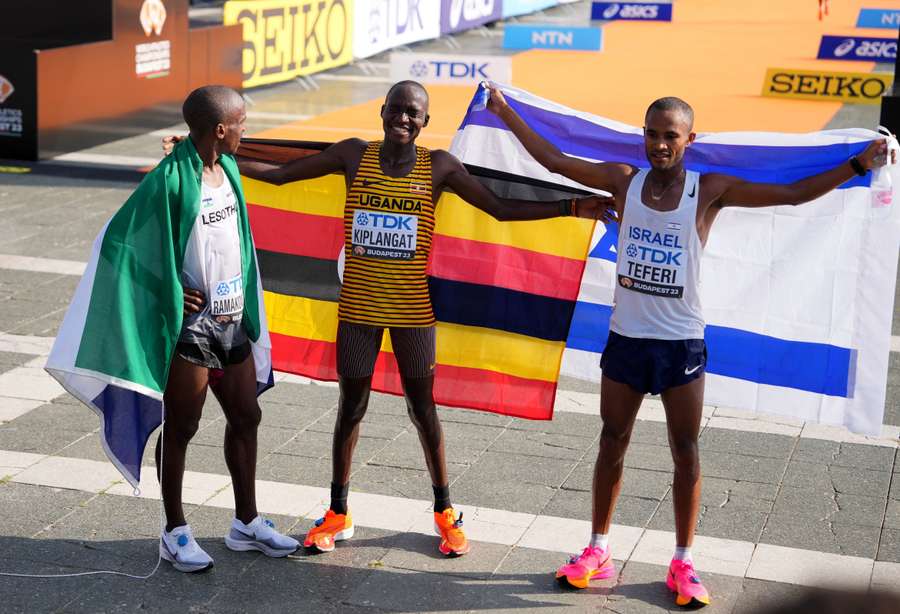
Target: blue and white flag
798,300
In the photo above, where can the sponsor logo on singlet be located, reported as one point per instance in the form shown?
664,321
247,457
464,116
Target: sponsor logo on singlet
384,235
227,296
654,262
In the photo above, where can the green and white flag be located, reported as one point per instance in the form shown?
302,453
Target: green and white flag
116,343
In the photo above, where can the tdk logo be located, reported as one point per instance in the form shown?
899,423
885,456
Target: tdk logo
858,48
451,70
386,221
640,11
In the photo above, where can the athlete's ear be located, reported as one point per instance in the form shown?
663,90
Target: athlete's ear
427,117
220,131
382,112
691,137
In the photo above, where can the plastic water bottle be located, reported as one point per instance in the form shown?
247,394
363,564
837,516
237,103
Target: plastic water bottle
881,186
481,97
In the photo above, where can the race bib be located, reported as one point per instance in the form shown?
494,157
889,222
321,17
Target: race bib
226,297
384,235
654,262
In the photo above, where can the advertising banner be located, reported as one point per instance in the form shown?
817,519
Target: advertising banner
288,38
631,11
382,24
449,69
518,36
511,8
851,87
459,15
879,18
858,48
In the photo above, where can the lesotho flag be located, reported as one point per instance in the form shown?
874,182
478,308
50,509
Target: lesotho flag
117,339
798,300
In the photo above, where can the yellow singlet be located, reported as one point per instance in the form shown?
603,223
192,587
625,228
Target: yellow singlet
388,227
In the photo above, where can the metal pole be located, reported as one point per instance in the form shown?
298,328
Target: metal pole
890,102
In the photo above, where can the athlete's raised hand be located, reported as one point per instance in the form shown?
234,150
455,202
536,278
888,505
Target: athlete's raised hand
876,155
496,100
169,142
193,301
601,208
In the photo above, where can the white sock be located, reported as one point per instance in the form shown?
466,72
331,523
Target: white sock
600,540
683,553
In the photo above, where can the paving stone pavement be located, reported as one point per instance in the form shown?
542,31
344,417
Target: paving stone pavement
821,504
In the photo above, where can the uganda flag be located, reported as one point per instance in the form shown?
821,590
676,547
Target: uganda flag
503,292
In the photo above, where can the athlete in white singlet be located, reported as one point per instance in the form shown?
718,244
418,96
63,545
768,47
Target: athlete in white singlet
656,341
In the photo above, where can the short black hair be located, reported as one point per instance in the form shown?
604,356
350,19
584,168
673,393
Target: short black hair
208,106
673,103
407,83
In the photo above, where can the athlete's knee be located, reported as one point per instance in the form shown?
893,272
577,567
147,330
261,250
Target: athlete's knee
685,454
613,444
354,401
246,420
422,413
181,430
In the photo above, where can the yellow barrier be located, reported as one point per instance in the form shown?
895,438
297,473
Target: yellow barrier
852,87
287,38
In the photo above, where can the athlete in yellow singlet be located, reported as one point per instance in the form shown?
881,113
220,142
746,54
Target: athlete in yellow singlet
392,189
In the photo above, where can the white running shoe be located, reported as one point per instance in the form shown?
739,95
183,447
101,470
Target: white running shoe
260,535
181,549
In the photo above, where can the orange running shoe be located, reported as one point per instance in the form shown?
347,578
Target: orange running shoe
329,529
684,582
448,526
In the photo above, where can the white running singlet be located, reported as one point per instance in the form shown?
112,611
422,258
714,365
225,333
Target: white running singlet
212,259
658,267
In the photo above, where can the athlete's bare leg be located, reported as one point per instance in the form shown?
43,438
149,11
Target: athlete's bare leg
423,413
352,405
619,404
183,398
684,408
236,392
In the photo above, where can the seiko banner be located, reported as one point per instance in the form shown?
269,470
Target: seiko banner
858,48
631,11
449,69
382,24
859,88
879,18
518,36
511,8
458,15
287,38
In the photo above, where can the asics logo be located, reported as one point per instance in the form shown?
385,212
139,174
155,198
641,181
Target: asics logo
611,11
691,371
844,48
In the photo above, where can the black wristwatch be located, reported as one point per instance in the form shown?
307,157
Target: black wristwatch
857,167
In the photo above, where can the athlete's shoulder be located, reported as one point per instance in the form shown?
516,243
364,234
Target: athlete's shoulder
442,156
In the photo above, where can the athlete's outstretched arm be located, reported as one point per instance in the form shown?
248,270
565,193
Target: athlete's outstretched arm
331,160
734,192
450,172
607,176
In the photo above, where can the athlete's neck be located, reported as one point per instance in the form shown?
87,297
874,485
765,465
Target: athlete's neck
208,150
396,156
666,176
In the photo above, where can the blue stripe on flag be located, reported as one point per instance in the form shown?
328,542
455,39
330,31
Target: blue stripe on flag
129,418
770,164
813,367
512,311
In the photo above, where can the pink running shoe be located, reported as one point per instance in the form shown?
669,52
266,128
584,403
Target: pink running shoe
591,563
684,582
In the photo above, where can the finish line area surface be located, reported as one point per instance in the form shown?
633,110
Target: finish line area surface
786,505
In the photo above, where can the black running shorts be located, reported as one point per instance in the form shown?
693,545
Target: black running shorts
653,365
358,346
